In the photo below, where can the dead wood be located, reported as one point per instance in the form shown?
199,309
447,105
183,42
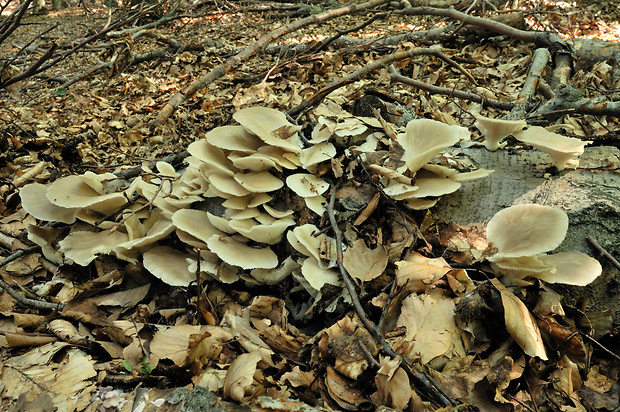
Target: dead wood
360,73
259,45
486,102
526,96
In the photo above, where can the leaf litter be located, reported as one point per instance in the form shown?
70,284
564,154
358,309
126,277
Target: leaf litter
283,335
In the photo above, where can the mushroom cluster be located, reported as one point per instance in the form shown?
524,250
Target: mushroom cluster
523,234
224,202
561,148
420,183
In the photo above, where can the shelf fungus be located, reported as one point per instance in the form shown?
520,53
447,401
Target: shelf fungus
561,148
523,234
495,130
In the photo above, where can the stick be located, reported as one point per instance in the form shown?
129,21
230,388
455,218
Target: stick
433,390
603,252
32,303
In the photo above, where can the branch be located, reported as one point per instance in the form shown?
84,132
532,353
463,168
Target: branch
248,52
539,62
360,73
395,76
31,303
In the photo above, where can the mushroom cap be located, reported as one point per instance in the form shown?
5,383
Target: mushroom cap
227,185
494,130
434,187
169,265
526,230
560,148
263,233
424,139
83,247
233,138
317,276
571,268
261,182
316,154
87,190
306,185
213,158
271,126
36,204
195,223
240,254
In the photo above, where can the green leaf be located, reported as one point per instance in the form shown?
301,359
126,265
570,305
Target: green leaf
127,366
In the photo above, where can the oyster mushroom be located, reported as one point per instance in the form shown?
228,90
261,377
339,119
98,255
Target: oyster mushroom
523,234
560,148
494,130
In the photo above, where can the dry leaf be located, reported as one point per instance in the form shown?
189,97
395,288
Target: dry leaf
520,323
363,263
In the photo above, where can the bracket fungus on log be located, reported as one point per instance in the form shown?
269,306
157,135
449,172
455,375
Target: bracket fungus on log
560,148
495,130
522,235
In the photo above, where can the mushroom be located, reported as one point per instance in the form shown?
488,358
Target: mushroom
523,234
261,182
195,223
526,230
271,126
306,185
35,202
424,139
82,247
494,130
233,138
169,265
87,190
316,154
237,253
560,148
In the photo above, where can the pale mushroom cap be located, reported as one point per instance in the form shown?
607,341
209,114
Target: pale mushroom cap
36,204
159,230
213,158
261,182
195,223
77,191
526,230
494,130
271,126
434,187
233,138
316,204
263,233
316,154
169,265
240,254
424,139
571,268
420,204
306,185
256,162
228,185
560,148
317,276
83,247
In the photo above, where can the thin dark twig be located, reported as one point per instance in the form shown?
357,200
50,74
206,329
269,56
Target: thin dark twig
425,381
32,303
603,252
591,339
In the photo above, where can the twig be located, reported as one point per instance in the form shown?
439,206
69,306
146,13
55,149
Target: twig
603,252
539,62
31,303
432,389
360,73
591,339
397,77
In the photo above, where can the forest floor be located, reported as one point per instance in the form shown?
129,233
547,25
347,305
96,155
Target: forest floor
121,338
